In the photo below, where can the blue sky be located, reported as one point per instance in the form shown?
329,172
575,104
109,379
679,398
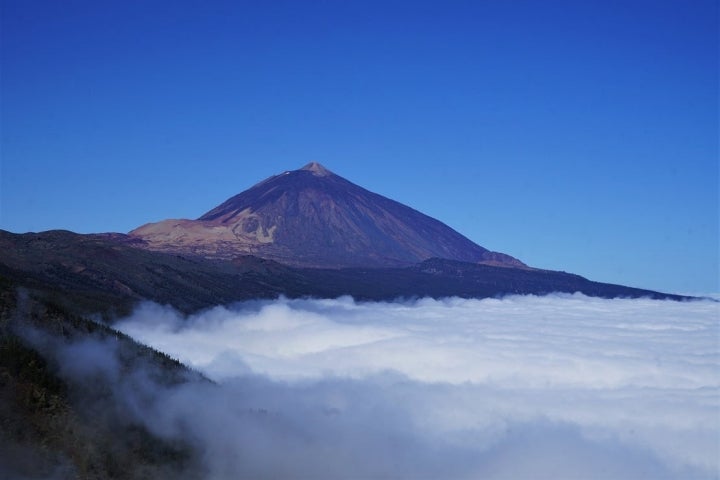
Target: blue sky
576,136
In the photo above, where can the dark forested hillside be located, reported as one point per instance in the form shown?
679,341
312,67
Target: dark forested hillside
58,425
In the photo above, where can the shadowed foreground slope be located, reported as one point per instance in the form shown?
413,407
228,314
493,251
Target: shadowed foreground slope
55,425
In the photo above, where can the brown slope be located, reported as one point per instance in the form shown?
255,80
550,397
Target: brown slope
312,217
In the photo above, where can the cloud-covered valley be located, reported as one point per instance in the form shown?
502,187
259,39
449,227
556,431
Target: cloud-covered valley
524,387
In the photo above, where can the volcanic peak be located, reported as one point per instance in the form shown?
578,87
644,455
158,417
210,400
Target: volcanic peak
317,169
312,217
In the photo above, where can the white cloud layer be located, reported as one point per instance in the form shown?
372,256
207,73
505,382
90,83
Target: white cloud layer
524,387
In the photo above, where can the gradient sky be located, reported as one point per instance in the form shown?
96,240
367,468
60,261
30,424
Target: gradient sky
577,136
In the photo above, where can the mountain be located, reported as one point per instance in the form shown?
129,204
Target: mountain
306,232
312,217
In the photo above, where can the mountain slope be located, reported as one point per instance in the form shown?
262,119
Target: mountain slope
312,217
106,274
57,425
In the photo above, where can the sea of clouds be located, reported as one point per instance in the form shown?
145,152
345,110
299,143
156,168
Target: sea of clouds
560,386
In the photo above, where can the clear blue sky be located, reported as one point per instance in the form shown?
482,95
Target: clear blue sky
574,135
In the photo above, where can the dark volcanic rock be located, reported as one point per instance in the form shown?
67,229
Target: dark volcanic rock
312,217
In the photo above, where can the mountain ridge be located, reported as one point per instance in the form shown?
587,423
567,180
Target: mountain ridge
107,274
